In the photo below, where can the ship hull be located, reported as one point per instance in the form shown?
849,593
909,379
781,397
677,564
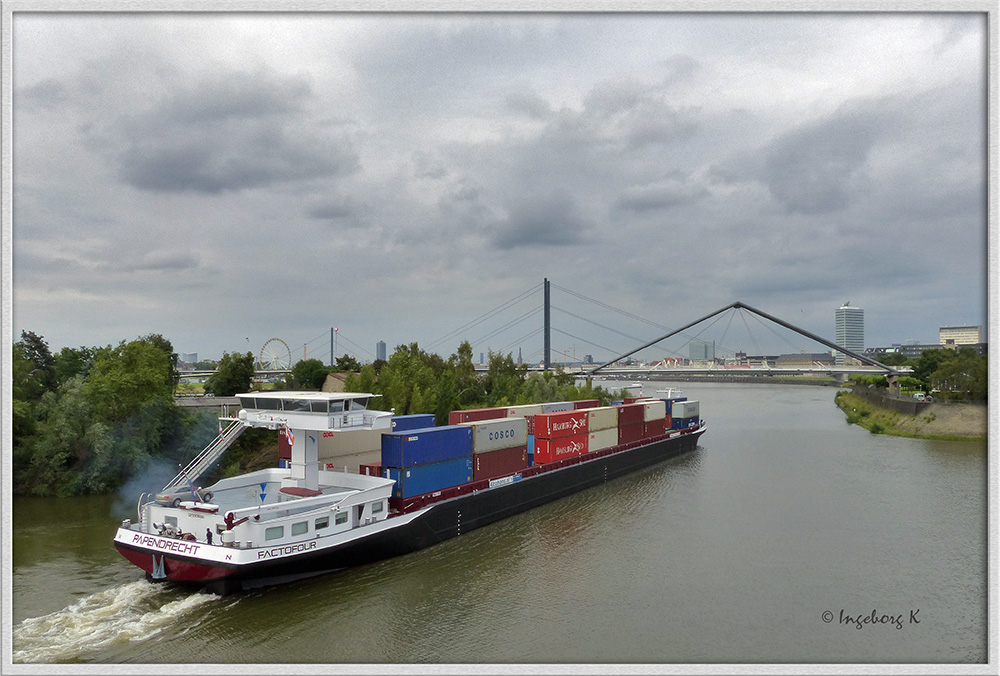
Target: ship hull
402,534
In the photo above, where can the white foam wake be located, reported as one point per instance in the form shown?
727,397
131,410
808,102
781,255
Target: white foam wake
131,612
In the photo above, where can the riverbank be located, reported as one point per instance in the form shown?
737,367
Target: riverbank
945,422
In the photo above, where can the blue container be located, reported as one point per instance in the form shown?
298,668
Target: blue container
421,479
531,450
670,403
683,423
618,403
426,445
414,421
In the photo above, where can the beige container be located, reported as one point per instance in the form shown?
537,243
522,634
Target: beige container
601,418
497,434
656,409
523,411
602,439
333,445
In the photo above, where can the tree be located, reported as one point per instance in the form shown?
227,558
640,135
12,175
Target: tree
234,375
347,364
309,373
161,343
124,378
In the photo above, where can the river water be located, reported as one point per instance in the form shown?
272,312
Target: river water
778,541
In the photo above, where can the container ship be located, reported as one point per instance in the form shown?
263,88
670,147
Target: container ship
356,485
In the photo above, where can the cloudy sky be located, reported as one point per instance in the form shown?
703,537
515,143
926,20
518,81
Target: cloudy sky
223,179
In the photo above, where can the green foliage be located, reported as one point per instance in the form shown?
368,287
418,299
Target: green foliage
346,364
869,379
309,373
122,379
233,375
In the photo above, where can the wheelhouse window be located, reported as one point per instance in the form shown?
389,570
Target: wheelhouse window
336,406
266,404
295,404
320,406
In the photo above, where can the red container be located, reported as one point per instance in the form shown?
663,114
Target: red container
371,469
668,423
630,414
629,433
531,424
631,400
562,424
654,428
586,403
499,463
472,414
550,450
284,448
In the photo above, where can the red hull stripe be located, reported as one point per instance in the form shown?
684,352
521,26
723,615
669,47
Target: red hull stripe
176,569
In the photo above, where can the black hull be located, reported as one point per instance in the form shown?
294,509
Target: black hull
452,517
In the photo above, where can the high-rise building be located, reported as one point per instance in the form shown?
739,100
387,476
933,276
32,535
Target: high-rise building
850,330
701,351
951,336
380,350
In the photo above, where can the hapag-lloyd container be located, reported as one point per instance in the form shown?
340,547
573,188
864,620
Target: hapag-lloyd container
498,463
468,415
413,421
601,439
550,450
602,418
431,444
492,435
562,424
630,414
434,476
686,409
655,409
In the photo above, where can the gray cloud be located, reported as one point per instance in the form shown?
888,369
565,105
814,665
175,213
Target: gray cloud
548,220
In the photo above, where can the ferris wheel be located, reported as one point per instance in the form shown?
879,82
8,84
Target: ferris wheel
275,355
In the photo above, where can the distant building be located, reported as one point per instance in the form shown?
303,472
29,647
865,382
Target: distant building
952,336
188,357
849,324
380,350
699,350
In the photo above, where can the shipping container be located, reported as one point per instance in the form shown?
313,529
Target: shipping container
523,411
669,401
686,409
601,439
413,421
431,444
371,469
420,479
562,424
655,409
468,415
683,423
654,428
632,400
601,418
492,435
549,450
557,406
499,462
332,446
630,414
586,403
629,433
617,403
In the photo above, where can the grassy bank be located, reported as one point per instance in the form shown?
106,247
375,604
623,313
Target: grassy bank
952,422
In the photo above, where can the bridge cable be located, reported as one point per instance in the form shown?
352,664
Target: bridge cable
610,307
483,317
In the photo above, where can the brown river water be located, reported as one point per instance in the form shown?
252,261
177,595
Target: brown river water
787,537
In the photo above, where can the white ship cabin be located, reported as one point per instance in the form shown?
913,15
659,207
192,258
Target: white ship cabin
282,505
